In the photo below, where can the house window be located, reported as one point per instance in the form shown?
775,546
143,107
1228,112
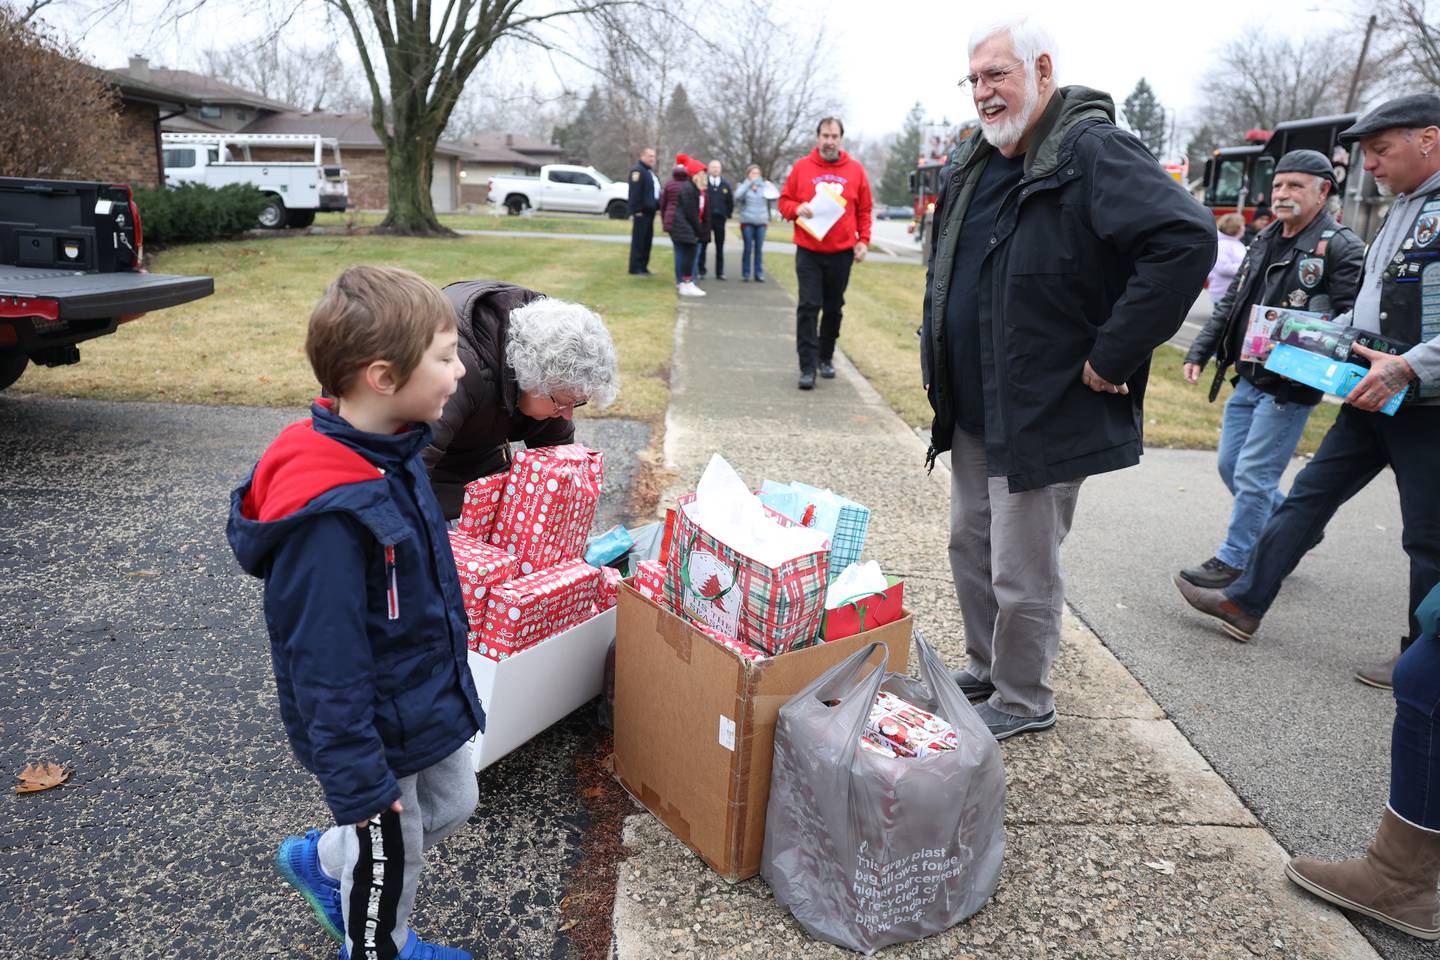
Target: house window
242,114
210,112
176,159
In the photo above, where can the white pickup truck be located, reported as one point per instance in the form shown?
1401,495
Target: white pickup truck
562,186
295,188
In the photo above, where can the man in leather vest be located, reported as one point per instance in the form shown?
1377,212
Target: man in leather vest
1304,260
1399,299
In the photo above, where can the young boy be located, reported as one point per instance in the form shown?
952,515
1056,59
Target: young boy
363,607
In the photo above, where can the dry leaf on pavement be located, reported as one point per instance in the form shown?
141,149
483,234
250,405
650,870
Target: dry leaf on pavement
41,776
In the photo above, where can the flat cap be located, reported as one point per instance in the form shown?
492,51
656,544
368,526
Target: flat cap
1312,162
1406,113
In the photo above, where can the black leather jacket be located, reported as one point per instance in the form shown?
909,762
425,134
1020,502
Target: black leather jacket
1321,274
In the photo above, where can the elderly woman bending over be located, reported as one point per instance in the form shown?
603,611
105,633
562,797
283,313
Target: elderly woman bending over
529,362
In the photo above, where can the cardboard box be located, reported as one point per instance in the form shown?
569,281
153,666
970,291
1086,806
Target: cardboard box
695,725
529,691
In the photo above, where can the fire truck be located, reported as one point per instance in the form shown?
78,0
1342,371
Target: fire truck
925,178
1237,178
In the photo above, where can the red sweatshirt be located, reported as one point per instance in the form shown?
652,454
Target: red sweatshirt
853,225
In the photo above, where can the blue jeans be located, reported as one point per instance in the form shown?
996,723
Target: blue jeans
1353,453
1257,440
754,236
684,260
1415,737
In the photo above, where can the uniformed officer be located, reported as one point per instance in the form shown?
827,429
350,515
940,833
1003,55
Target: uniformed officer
1305,261
719,205
644,197
1397,301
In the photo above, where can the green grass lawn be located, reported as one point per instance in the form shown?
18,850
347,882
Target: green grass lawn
245,343
883,308
540,223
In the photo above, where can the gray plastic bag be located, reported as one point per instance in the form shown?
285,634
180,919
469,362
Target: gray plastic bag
867,850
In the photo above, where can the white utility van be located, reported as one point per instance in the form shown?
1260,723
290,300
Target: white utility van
295,188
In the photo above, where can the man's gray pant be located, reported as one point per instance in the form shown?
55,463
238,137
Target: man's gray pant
1005,557
379,864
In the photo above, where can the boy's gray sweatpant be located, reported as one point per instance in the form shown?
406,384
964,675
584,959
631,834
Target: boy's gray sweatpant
379,864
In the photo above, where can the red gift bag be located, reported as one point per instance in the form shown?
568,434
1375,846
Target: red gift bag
866,612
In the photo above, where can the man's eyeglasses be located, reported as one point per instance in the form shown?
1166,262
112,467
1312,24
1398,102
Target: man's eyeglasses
572,405
994,76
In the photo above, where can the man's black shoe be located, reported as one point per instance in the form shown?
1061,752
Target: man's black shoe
807,379
1213,574
827,370
972,688
719,276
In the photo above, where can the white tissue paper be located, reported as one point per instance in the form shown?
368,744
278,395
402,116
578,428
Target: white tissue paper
857,580
725,508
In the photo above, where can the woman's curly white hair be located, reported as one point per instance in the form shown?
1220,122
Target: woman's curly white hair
555,345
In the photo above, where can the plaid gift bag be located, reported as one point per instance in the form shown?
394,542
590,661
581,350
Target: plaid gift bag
846,521
773,609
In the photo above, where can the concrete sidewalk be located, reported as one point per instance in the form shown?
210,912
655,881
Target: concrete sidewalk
1121,840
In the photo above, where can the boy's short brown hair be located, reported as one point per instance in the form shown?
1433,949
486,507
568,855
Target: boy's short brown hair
373,313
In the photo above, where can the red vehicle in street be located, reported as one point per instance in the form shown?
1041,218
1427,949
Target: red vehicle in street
1237,178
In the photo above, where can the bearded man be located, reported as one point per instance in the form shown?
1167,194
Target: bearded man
1304,260
1062,255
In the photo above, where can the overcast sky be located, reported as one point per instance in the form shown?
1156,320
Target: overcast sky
891,54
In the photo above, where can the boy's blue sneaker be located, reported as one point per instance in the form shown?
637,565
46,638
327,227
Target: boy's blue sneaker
298,861
417,949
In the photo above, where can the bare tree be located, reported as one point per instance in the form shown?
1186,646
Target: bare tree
772,85
59,114
306,78
416,61
1261,80
1409,52
641,53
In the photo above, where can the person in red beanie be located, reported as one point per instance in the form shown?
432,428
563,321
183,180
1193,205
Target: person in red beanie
682,208
822,263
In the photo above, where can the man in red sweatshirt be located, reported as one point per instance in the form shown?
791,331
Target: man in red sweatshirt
823,256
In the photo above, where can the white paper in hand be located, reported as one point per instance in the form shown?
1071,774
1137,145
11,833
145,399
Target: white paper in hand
725,508
826,209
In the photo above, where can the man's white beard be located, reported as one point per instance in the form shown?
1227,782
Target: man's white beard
1009,130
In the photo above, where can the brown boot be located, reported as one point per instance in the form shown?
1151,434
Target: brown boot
1394,882
1378,674
1238,624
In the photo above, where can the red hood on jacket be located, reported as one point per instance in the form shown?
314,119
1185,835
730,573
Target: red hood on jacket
299,466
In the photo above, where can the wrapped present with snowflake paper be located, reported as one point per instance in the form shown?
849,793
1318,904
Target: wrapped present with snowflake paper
527,610
548,505
607,589
650,582
482,504
480,567
740,648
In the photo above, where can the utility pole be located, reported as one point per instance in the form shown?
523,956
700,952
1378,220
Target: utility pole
1360,66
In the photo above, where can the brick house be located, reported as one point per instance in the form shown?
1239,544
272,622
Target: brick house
144,108
222,107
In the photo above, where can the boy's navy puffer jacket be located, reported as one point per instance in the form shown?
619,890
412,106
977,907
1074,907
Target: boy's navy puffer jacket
362,603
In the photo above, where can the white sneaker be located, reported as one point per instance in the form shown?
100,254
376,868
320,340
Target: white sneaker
689,289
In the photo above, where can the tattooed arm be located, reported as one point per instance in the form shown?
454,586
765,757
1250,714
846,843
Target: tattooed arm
1388,376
